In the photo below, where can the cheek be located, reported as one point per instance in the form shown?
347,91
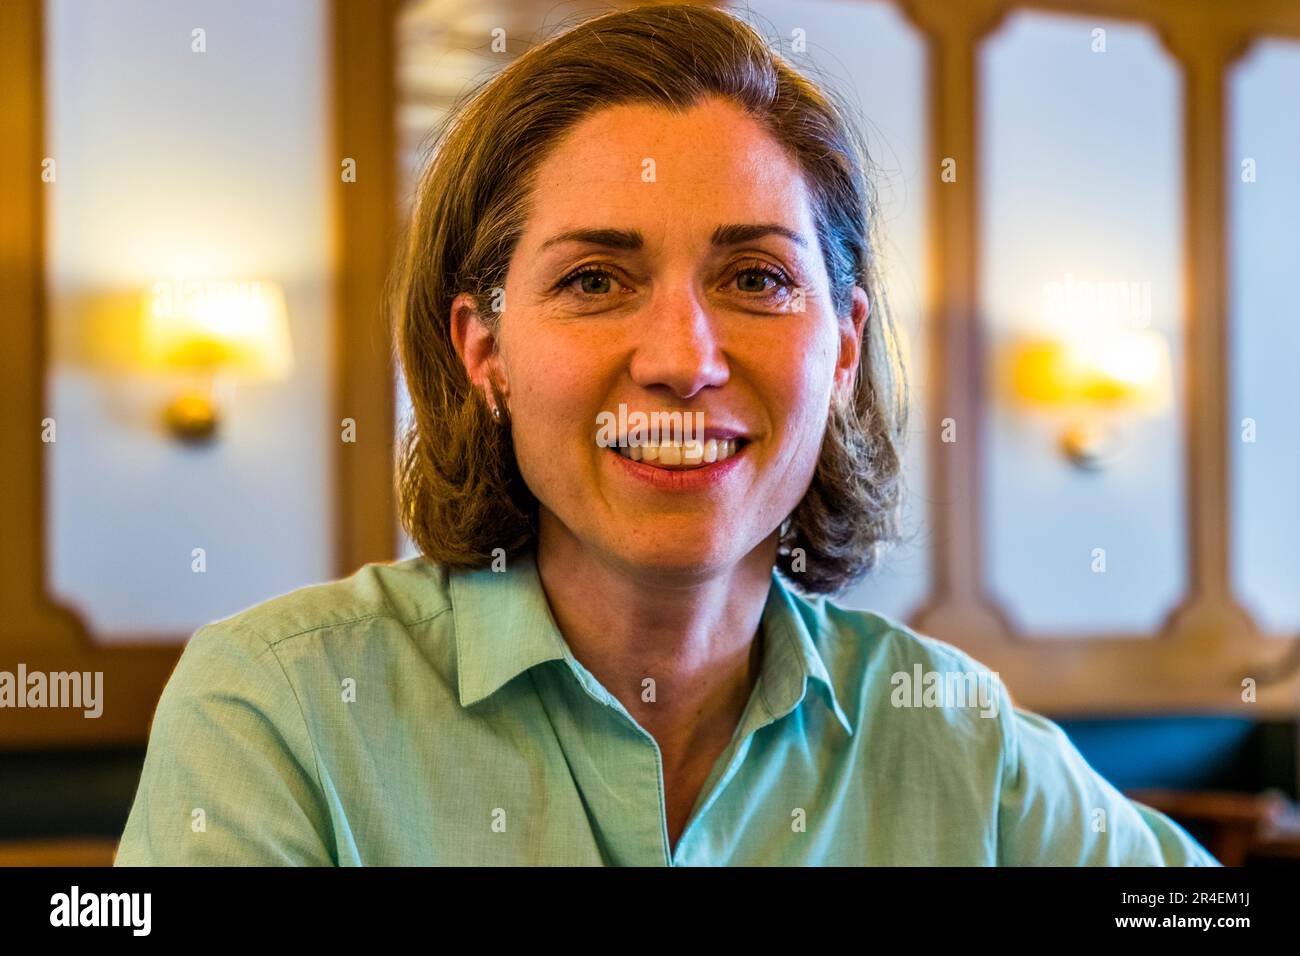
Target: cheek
537,370
802,382
550,405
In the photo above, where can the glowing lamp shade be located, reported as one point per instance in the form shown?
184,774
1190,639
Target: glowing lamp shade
230,326
1094,379
216,328
1128,369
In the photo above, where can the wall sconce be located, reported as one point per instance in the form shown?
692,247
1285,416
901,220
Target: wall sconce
209,329
1093,382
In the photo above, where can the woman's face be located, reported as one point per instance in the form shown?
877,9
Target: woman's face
699,287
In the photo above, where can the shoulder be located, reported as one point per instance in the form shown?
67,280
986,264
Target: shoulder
270,672
378,618
403,594
871,640
901,681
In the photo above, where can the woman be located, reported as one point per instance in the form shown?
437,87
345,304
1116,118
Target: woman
647,223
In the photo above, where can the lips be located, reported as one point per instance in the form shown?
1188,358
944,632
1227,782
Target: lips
680,478
670,449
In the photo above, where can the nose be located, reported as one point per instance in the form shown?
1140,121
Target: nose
679,346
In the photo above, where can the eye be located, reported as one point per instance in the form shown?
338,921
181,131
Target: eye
589,280
763,279
755,279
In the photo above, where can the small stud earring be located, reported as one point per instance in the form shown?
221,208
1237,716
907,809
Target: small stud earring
496,413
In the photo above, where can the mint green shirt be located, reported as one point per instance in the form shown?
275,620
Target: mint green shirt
411,715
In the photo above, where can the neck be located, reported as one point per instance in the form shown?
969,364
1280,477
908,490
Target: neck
694,635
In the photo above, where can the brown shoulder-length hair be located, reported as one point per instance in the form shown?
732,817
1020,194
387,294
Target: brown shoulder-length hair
461,492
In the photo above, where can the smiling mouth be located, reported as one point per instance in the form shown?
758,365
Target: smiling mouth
683,456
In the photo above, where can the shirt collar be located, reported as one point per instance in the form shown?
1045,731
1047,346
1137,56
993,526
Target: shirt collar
504,627
790,656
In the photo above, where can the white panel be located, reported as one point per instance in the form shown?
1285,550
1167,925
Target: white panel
1080,181
1264,310
180,164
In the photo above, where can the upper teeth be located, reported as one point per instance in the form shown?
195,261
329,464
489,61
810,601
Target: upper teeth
691,454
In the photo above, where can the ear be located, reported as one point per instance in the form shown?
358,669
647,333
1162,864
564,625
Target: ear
851,330
478,348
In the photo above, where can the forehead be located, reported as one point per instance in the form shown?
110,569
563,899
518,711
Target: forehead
642,163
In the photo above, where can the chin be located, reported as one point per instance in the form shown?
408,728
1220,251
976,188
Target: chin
672,556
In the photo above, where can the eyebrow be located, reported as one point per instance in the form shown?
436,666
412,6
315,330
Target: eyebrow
631,240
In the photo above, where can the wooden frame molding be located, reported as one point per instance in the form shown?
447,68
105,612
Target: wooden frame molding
34,630
365,130
1209,644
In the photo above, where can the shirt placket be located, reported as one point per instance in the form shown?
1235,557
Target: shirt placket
614,763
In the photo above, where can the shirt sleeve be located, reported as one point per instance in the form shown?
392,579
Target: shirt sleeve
1055,810
230,775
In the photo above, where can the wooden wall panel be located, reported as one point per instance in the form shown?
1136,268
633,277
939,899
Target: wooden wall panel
34,630
1208,645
